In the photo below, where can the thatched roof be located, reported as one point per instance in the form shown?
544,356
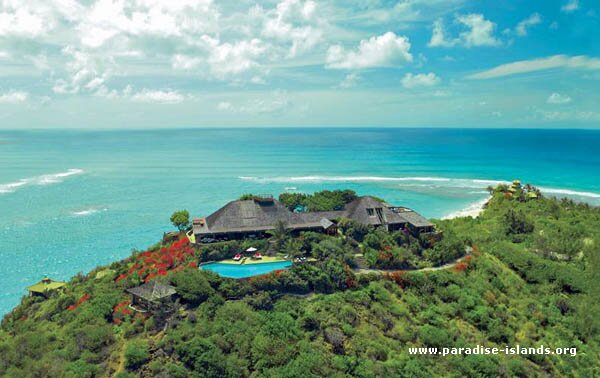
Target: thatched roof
256,216
415,219
247,216
152,291
368,210
46,285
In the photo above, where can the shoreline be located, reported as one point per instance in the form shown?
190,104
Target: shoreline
473,210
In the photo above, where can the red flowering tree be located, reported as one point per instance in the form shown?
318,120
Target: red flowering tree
171,258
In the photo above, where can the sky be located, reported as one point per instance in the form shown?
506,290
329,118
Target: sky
408,63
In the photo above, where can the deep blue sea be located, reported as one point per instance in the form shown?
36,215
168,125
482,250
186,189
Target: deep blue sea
71,200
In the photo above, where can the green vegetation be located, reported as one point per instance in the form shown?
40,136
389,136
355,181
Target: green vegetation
533,278
250,196
280,234
181,220
325,200
136,354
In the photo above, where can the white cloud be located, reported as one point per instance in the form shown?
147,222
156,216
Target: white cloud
224,106
438,36
107,19
233,58
185,62
570,6
276,102
386,50
294,22
480,32
532,20
350,80
557,98
13,97
158,96
20,20
222,60
440,93
259,80
575,115
271,102
420,80
83,69
581,62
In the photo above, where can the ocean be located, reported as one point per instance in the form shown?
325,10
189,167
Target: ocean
72,200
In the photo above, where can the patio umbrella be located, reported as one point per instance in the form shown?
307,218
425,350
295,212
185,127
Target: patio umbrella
251,249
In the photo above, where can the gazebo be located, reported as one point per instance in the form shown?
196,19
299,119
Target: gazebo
153,296
45,287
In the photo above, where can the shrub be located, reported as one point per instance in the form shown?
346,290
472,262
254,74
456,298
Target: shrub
136,354
181,219
515,222
192,286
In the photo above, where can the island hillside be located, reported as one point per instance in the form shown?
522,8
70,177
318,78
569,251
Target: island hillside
525,272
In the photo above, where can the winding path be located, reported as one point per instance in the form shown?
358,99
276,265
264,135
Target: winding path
448,265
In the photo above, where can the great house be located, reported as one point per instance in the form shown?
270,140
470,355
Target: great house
254,217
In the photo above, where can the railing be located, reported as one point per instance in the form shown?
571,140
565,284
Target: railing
263,197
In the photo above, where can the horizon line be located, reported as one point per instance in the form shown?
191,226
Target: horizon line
176,128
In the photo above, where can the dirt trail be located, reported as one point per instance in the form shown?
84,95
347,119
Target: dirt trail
429,269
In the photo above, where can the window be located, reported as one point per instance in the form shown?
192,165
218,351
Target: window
371,212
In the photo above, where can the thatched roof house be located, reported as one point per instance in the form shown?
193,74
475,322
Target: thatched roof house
243,218
152,295
45,287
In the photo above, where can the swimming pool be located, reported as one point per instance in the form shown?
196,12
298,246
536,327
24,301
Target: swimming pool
245,270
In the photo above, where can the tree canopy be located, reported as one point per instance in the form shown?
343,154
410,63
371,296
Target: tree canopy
181,220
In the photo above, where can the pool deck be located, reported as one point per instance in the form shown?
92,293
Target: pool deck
250,261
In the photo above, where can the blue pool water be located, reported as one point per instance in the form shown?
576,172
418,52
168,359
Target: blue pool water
71,200
243,271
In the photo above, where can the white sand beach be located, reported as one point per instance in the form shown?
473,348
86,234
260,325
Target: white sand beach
473,210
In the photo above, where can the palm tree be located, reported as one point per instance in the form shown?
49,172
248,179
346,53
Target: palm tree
280,234
292,248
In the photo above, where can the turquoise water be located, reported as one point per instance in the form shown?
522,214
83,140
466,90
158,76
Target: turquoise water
243,271
71,200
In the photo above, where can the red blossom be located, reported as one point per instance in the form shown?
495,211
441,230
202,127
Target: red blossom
133,267
398,278
121,305
278,272
461,267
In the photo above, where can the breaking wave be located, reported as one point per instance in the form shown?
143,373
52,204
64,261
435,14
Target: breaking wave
339,178
568,192
416,181
86,212
39,180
